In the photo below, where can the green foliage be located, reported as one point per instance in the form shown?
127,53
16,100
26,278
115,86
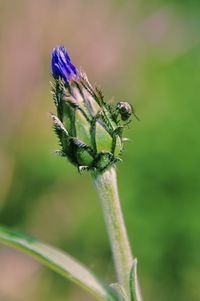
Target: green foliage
57,261
133,283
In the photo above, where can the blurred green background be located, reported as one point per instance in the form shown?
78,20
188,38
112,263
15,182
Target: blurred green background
144,52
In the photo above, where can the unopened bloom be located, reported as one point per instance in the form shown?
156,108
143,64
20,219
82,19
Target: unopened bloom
61,65
89,129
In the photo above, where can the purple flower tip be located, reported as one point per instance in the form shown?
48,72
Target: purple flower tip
62,66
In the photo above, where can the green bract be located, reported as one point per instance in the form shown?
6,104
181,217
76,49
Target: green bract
89,129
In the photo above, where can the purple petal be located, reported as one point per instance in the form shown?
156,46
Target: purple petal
62,66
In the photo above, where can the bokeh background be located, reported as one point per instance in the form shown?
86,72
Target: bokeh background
144,52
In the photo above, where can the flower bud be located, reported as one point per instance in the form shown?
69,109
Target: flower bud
89,129
61,64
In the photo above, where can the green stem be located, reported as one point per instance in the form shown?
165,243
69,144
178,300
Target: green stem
106,185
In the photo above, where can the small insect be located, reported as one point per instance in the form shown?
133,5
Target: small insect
125,110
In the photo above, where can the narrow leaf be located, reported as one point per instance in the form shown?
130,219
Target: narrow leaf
133,283
57,261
